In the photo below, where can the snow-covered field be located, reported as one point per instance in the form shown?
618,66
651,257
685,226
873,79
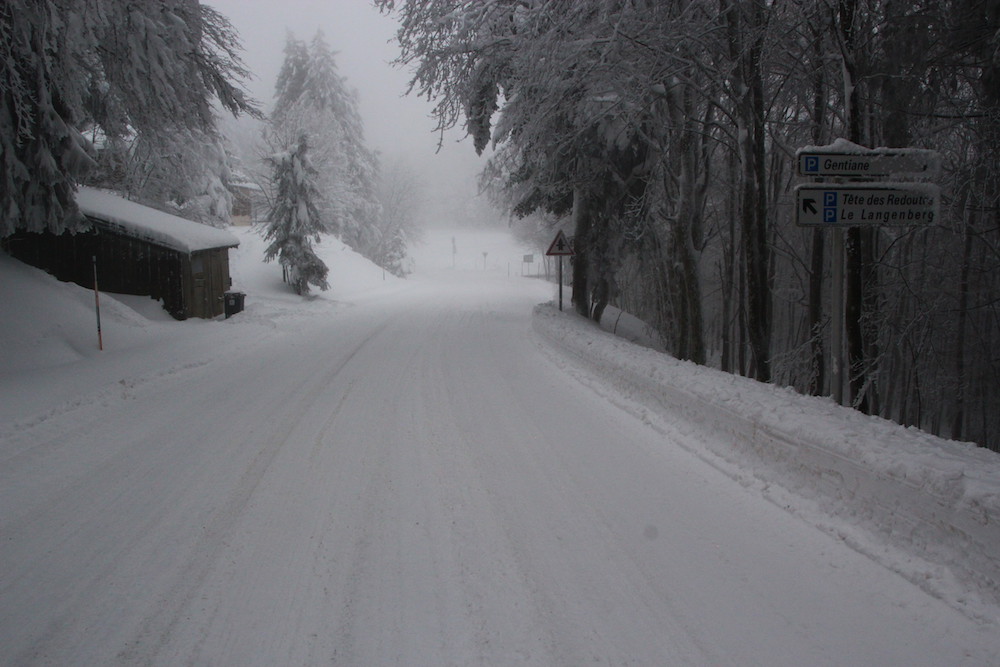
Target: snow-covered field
439,471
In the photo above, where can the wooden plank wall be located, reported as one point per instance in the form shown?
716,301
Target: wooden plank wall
130,266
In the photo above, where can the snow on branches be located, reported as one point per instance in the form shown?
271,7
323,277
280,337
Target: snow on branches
313,98
120,66
294,221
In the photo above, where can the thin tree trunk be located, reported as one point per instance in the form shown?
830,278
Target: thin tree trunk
582,224
817,379
731,298
958,420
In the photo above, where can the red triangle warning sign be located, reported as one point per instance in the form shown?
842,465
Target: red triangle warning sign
560,245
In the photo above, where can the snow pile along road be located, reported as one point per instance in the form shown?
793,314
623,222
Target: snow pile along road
936,500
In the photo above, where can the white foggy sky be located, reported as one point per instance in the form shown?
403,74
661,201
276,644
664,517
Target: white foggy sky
398,126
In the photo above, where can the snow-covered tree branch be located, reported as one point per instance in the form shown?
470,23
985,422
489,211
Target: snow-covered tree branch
128,68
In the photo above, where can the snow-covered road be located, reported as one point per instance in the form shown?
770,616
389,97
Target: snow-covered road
417,481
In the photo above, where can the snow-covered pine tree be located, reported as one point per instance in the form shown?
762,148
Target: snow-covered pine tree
122,66
41,91
289,87
307,101
312,97
361,171
294,221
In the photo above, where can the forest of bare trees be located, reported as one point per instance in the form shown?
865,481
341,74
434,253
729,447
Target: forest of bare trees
667,131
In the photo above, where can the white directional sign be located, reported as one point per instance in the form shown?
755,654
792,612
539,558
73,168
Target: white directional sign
846,204
866,164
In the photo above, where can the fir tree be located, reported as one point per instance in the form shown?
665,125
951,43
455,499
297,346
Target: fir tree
294,221
312,97
289,87
125,67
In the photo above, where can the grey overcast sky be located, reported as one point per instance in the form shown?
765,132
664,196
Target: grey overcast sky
398,126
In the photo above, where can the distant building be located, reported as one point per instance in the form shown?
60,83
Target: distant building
249,203
139,250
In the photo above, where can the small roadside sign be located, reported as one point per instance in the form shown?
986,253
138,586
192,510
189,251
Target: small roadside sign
847,204
560,246
883,162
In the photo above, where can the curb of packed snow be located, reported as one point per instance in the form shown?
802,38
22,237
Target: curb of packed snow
937,500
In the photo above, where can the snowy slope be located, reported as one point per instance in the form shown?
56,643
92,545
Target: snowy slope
49,343
935,501
425,471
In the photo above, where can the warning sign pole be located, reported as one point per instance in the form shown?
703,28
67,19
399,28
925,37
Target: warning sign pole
560,247
97,307
560,282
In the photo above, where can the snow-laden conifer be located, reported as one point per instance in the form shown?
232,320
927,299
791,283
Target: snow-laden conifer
289,87
150,69
312,97
294,221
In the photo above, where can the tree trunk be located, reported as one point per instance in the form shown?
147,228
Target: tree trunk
602,294
958,420
732,291
861,296
581,223
745,43
817,380
856,363
685,228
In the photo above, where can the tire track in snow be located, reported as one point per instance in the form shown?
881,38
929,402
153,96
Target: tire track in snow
158,628
373,503
427,572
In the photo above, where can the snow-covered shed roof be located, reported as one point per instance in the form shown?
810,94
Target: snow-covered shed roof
148,224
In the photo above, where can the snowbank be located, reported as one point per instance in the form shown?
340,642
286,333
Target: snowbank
631,328
49,357
934,499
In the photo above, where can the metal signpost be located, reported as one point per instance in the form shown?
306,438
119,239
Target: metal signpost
560,247
867,200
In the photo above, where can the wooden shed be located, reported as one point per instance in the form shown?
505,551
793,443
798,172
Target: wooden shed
139,250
